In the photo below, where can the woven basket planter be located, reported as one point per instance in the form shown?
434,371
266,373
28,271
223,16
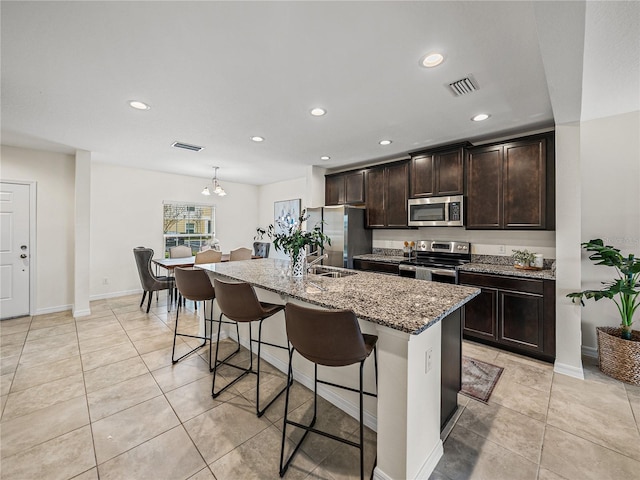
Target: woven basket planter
619,358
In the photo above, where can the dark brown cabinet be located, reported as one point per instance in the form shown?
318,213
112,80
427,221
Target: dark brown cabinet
514,313
437,173
386,194
344,188
510,185
374,266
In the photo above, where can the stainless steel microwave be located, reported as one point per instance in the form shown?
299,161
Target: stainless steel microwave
436,211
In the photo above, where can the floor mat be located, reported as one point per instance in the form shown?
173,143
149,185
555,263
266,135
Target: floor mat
479,378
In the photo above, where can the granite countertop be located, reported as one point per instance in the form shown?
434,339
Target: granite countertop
377,257
403,304
495,269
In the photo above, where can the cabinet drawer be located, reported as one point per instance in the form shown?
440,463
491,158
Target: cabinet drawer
373,266
525,285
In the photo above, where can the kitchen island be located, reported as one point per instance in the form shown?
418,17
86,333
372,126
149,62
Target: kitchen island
408,317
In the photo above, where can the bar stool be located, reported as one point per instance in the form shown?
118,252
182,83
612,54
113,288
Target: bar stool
239,303
194,284
331,338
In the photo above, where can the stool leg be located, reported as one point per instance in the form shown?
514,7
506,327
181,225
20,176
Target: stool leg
283,469
361,422
175,334
260,412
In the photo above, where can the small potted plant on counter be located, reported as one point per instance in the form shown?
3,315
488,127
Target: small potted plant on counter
618,348
291,239
523,259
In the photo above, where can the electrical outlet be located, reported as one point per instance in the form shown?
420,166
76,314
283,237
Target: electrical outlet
501,249
428,359
105,281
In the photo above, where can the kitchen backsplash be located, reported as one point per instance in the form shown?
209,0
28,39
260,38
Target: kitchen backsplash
483,242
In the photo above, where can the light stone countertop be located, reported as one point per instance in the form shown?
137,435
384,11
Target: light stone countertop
376,257
494,269
403,304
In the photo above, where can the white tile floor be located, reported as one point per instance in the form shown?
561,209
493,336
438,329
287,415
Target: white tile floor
97,397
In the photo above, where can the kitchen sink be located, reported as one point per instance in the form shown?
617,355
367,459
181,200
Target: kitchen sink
329,272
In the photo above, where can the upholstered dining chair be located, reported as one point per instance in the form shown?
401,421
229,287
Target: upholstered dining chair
180,251
261,249
208,256
240,254
150,282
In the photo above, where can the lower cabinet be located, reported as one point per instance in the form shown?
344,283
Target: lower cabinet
514,313
373,266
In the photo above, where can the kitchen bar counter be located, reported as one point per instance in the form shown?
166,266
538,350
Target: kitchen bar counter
398,303
418,329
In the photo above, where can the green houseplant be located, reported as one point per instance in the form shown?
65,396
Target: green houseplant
623,290
523,258
291,239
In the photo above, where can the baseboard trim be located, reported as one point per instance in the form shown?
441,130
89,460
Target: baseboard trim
81,313
431,462
591,352
569,370
123,293
59,308
371,421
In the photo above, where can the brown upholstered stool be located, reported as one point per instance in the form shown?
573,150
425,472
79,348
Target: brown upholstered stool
194,284
239,303
331,338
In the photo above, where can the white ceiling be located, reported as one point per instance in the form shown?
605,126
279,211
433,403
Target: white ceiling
216,73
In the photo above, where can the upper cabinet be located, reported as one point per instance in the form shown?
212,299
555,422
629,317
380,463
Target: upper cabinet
511,185
344,188
437,173
386,193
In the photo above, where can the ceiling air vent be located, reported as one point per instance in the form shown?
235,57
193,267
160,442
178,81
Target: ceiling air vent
186,146
464,86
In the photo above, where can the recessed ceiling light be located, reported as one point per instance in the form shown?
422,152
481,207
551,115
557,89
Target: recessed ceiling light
385,142
257,139
431,60
139,105
325,157
480,117
318,112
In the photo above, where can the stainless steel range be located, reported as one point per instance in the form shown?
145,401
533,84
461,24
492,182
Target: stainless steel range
436,260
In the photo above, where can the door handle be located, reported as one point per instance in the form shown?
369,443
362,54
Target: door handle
24,255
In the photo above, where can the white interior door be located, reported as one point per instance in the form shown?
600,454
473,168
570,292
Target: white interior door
14,250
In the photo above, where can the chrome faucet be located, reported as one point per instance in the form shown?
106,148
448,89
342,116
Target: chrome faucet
319,259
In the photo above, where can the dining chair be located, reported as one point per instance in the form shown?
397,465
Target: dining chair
150,282
240,254
208,256
180,251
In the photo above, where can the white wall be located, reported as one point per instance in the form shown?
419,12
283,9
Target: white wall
126,212
55,177
610,172
275,192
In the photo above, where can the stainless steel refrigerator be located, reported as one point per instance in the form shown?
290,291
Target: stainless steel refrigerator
344,225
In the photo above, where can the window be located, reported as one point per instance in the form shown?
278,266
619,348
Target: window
190,224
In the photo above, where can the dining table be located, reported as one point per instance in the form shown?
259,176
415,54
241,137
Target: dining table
170,263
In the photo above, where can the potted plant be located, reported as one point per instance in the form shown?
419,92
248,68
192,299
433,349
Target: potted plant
618,348
523,258
260,248
293,240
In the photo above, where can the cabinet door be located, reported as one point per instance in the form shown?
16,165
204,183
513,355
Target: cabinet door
524,193
354,187
422,176
375,197
480,315
520,322
484,188
334,190
395,202
449,173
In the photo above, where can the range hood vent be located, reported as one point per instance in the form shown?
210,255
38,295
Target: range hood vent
187,146
463,86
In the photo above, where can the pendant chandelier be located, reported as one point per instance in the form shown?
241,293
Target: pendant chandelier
217,189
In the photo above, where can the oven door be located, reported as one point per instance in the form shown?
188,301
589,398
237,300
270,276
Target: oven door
442,275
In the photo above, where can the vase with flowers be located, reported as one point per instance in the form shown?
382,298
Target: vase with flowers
291,239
